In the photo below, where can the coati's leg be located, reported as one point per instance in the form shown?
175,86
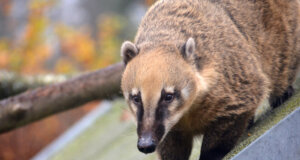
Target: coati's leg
222,136
175,146
276,101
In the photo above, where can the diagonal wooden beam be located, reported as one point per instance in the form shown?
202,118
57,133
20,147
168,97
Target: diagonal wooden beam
39,103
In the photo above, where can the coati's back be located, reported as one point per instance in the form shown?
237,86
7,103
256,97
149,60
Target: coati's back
272,27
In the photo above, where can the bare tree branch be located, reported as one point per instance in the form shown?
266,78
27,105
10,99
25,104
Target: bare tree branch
12,83
45,101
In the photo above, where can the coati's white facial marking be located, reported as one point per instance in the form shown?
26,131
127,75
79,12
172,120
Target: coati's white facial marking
170,89
173,106
133,108
126,96
185,92
134,91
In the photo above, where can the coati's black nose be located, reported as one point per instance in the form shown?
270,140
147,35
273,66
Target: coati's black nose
146,143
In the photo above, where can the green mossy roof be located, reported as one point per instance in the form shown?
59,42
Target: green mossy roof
108,138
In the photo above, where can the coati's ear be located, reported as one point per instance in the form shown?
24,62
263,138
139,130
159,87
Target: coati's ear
188,48
128,51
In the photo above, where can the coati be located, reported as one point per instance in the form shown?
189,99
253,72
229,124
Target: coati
203,67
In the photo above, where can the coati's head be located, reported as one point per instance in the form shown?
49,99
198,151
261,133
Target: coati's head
159,86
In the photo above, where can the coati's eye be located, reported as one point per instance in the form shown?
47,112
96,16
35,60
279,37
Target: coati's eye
168,97
136,99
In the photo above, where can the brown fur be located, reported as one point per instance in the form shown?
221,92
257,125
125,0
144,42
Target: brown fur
246,51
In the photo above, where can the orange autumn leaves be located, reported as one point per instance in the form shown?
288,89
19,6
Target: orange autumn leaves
29,52
33,52
81,52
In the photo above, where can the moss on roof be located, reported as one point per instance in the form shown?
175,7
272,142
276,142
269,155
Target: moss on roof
266,123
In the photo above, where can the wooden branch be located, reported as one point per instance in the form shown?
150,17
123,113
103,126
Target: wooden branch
36,104
12,84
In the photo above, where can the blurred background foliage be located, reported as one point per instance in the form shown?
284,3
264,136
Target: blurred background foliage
65,37
42,36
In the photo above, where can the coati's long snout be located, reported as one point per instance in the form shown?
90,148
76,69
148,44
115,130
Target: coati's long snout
151,124
150,129
149,139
